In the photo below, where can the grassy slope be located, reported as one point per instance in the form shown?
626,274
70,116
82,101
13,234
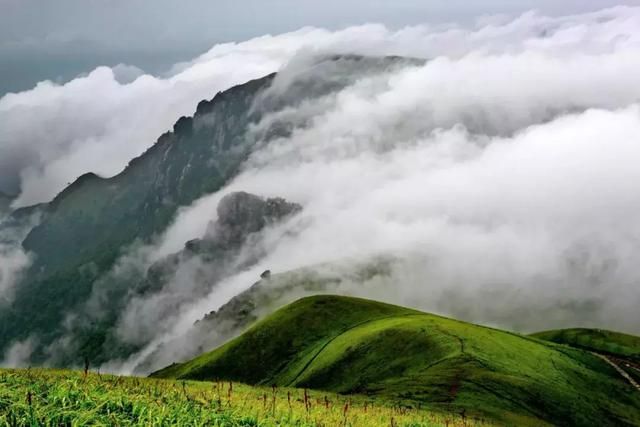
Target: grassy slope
623,349
350,345
37,397
597,340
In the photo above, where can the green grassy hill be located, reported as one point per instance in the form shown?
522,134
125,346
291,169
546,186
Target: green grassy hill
42,397
621,349
349,345
596,340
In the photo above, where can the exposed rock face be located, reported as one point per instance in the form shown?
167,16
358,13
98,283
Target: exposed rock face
240,217
241,214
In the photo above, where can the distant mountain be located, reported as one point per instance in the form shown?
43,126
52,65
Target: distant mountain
350,345
240,216
86,227
91,223
220,253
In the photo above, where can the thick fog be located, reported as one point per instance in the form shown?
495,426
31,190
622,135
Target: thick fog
499,176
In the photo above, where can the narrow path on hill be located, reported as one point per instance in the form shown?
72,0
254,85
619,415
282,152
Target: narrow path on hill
332,339
626,362
621,371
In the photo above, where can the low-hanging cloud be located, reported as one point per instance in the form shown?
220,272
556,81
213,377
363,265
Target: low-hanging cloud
499,175
13,259
500,181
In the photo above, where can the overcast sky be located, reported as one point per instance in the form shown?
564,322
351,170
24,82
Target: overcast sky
57,40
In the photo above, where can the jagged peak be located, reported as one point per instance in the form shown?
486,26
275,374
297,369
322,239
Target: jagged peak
206,106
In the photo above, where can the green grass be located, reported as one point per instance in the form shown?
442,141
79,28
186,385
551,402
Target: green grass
393,354
41,397
597,340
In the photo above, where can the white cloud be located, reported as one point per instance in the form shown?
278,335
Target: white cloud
54,133
501,173
503,180
13,259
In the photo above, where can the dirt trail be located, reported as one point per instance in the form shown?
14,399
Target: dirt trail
620,371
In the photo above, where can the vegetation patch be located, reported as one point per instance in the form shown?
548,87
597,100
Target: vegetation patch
40,397
596,340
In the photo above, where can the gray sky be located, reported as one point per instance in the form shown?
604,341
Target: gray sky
56,40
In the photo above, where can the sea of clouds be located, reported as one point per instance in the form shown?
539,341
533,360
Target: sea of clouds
501,174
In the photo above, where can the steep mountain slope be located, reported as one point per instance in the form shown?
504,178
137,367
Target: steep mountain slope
177,280
350,345
89,225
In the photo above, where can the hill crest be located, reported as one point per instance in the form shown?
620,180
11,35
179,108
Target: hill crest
351,345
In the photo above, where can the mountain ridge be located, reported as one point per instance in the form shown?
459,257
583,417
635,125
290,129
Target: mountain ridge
89,225
93,219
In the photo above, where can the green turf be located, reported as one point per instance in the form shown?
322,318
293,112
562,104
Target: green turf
597,340
350,345
46,397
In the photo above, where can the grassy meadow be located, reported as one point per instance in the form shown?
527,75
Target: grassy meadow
597,340
42,397
339,361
